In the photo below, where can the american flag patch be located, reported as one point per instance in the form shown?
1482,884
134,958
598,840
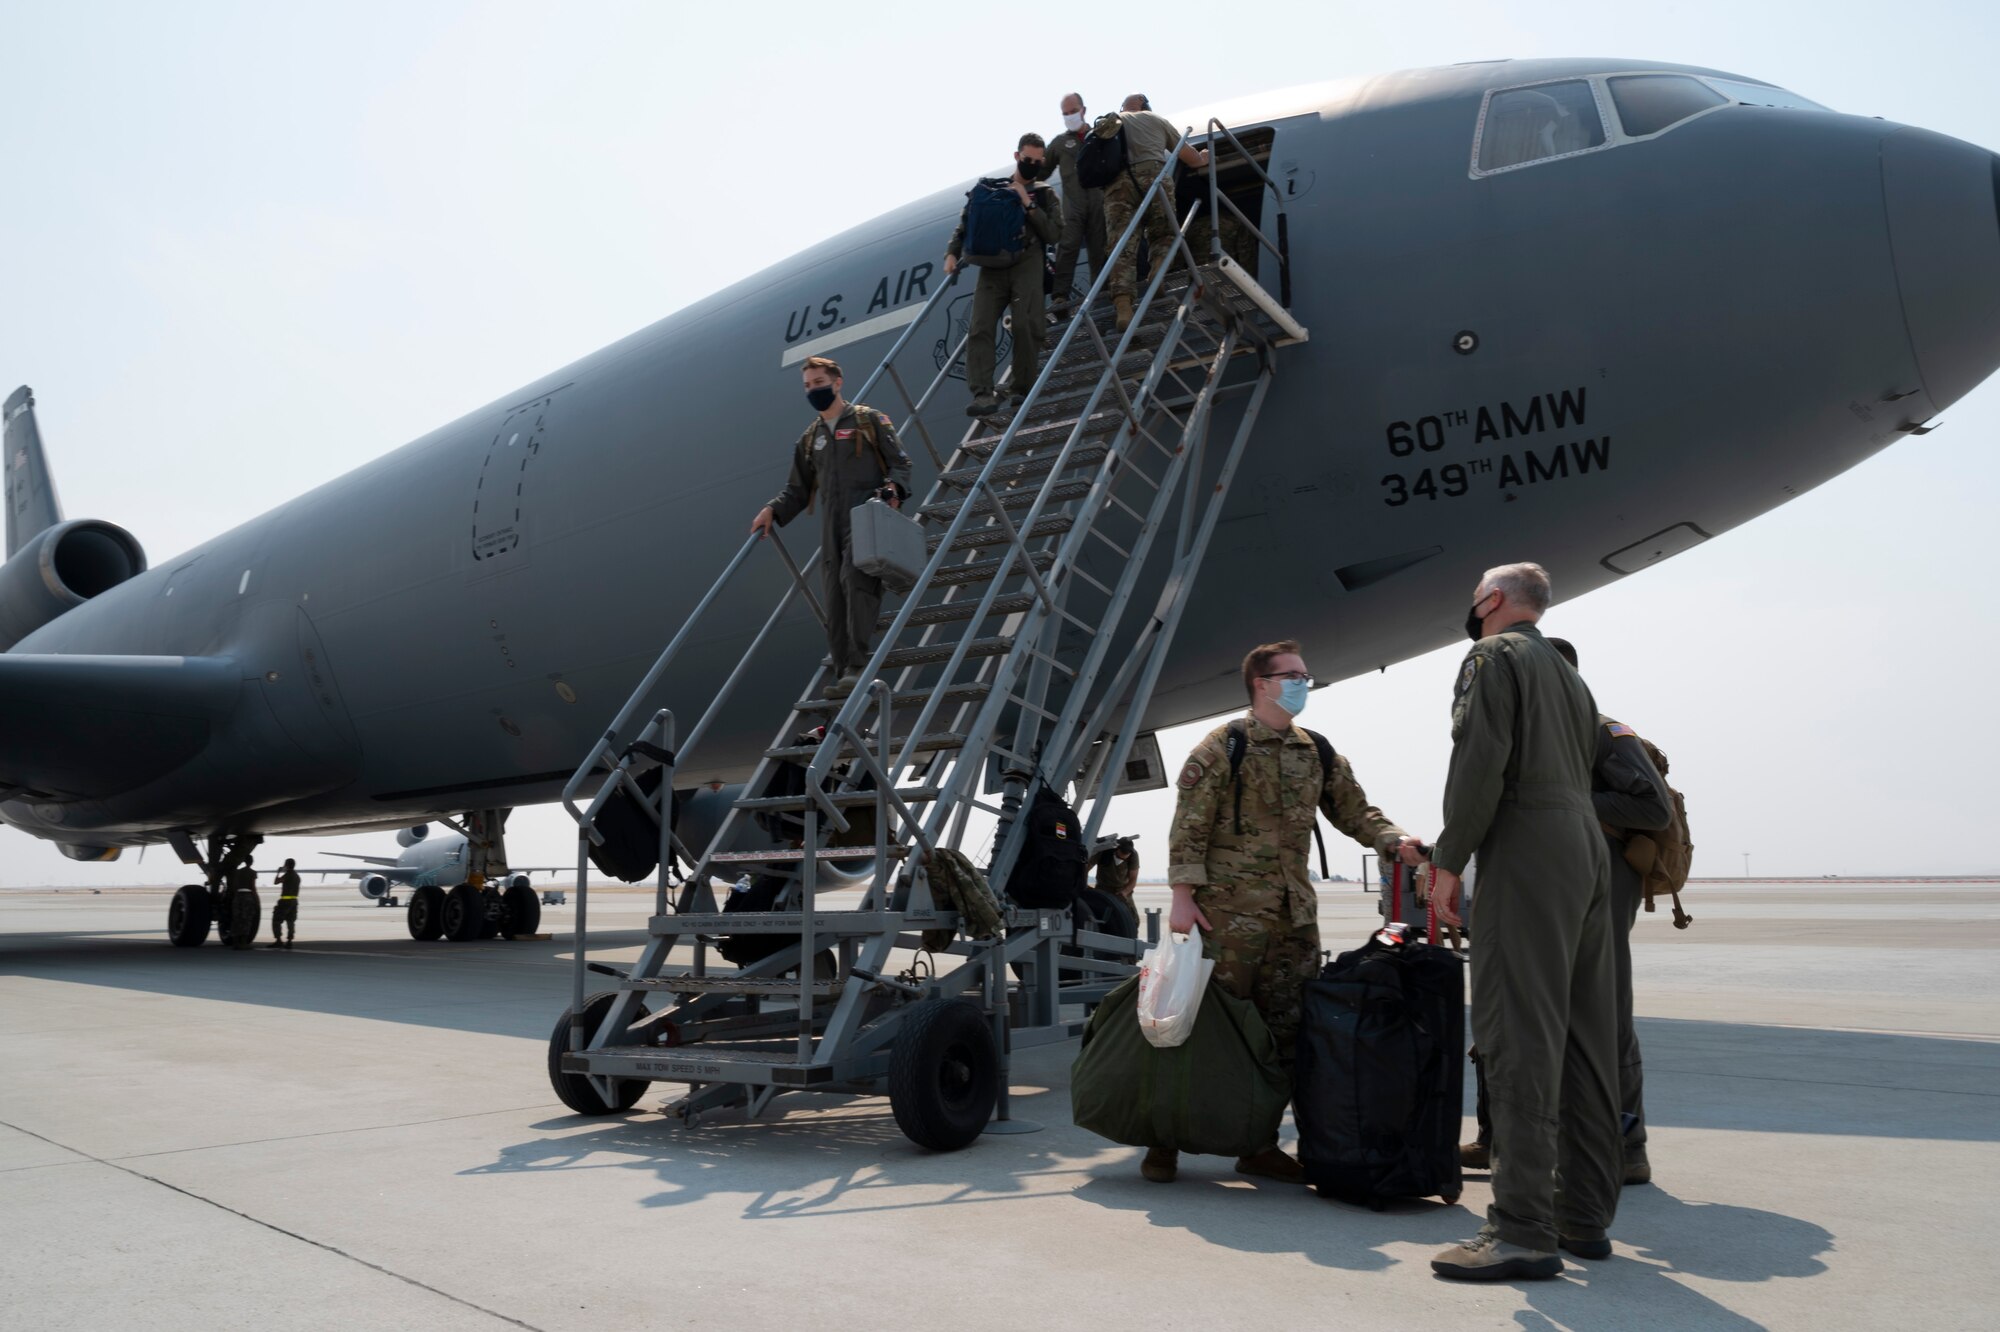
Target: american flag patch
1620,731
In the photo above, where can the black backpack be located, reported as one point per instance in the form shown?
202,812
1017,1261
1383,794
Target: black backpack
631,846
1100,160
995,225
1379,1079
1051,869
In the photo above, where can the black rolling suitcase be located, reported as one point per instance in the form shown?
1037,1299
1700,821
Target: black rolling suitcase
1380,1077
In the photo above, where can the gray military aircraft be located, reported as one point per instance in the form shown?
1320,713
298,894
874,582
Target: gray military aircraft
1592,312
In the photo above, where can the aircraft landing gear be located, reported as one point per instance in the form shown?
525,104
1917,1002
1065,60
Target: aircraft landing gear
189,916
228,900
464,913
426,913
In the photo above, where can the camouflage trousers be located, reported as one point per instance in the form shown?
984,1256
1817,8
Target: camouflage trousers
1121,201
286,915
1262,952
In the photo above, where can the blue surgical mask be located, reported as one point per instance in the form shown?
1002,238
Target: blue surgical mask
1292,696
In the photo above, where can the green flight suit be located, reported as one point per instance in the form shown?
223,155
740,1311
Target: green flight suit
834,467
1252,885
1523,729
1083,214
1014,290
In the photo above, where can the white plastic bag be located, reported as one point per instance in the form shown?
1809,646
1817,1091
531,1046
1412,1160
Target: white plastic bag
1172,978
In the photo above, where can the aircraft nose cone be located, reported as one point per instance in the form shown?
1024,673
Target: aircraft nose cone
1943,200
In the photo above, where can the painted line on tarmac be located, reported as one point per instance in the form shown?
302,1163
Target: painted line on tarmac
289,1234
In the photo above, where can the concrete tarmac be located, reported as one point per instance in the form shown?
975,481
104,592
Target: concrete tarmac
360,1133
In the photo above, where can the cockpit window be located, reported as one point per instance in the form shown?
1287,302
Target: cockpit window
1524,125
1649,103
1758,94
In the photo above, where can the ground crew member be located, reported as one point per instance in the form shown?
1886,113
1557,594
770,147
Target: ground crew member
1629,796
1083,209
849,453
286,913
1524,733
238,914
1117,871
1148,141
1245,883
1014,286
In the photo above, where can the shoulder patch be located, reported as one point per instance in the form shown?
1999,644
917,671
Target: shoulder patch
1469,672
1620,731
1191,775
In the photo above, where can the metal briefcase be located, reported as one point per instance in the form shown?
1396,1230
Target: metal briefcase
887,545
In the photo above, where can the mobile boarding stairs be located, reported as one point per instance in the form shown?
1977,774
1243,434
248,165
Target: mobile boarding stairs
997,663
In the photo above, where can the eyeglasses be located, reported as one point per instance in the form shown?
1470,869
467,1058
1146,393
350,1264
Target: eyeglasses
1299,676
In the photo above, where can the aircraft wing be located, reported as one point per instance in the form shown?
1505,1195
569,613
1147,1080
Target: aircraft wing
83,727
372,860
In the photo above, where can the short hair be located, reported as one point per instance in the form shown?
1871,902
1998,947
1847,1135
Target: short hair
1567,649
289,862
1080,103
1523,584
1030,140
1260,657
826,363
1145,102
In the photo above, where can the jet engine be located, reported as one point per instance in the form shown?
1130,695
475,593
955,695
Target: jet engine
60,568
374,887
411,836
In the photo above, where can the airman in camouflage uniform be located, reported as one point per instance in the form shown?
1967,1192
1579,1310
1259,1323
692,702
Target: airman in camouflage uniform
1149,140
1245,882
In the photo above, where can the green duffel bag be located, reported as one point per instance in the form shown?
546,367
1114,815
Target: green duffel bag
1220,1093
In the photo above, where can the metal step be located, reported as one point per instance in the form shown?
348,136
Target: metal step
793,855
909,795
826,924
774,985
948,612
979,571
928,654
1101,422
1051,525
1083,455
926,744
970,692
699,1063
1012,499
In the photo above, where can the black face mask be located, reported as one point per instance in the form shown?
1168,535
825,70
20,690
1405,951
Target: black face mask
1475,622
821,398
1029,170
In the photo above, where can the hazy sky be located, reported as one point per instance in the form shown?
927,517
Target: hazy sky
249,247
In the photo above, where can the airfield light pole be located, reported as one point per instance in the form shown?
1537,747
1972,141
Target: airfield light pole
1746,864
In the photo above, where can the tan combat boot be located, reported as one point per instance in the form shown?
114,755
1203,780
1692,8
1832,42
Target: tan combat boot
1475,1156
1638,1170
1161,1165
1123,305
1487,1257
1272,1163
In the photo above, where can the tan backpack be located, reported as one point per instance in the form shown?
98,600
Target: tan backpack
1662,858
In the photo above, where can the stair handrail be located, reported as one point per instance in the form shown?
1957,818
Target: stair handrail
850,713
608,742
1217,201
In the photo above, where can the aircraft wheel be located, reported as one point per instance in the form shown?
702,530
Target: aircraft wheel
246,917
464,913
944,1074
494,907
574,1089
520,911
426,913
189,916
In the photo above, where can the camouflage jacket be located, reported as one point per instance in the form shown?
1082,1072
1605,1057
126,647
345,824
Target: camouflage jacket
1283,788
